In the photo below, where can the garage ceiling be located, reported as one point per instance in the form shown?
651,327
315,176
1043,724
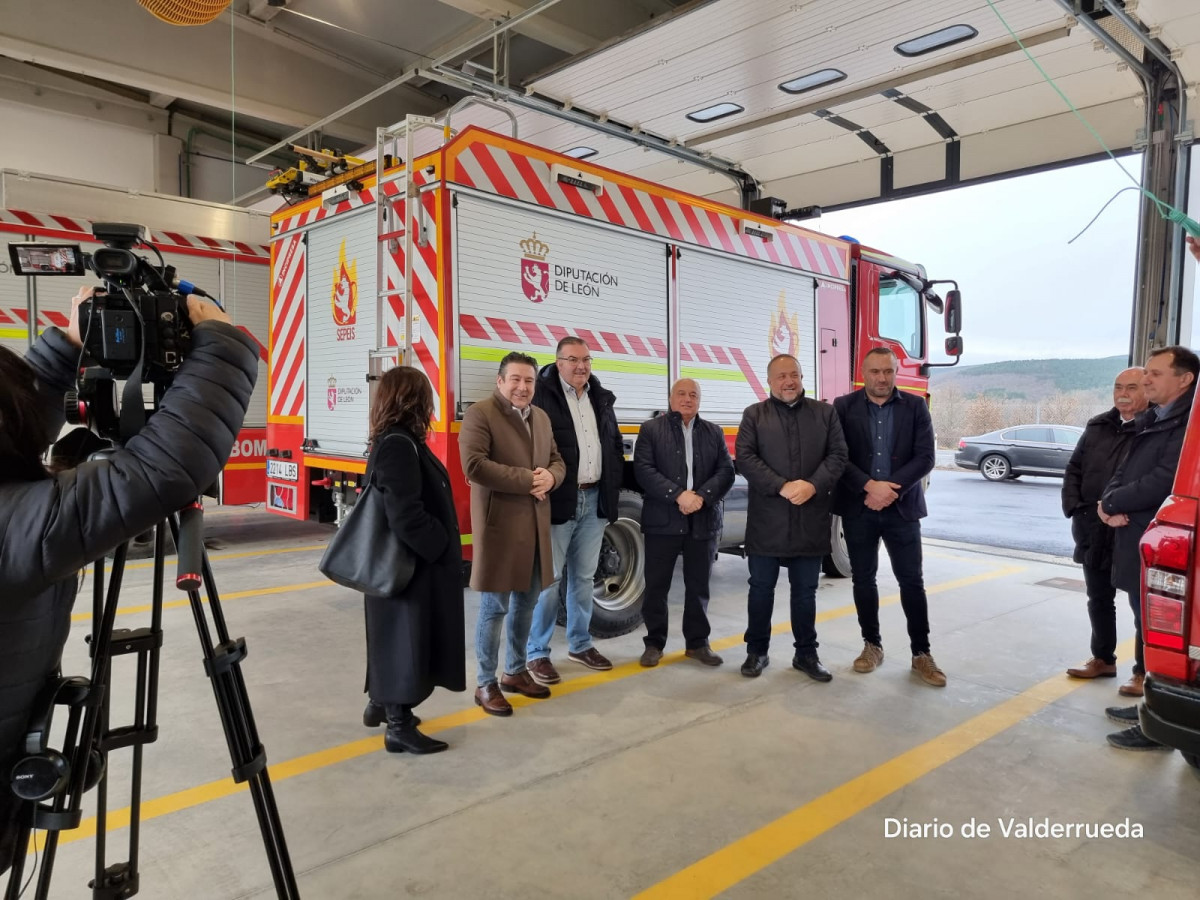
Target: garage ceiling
639,63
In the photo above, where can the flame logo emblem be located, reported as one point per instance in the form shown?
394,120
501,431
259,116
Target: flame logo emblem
345,290
784,336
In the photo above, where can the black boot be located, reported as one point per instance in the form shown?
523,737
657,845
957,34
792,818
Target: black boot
375,715
402,734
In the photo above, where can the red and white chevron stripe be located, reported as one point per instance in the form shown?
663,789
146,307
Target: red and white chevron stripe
427,346
286,352
522,177
510,332
45,225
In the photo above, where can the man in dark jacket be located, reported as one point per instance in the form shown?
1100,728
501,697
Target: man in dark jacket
683,467
791,451
1137,489
586,434
1096,456
881,495
54,525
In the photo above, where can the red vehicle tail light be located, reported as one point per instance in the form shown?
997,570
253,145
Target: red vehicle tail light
1167,547
1164,621
962,444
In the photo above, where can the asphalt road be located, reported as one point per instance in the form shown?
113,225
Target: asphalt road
1025,514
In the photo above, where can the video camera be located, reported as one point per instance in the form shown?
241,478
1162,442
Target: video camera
139,317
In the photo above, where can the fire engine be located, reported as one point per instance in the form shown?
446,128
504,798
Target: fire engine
230,262
485,244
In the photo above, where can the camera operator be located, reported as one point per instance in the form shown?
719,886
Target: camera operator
52,524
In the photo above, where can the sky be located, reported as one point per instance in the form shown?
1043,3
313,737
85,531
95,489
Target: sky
1027,293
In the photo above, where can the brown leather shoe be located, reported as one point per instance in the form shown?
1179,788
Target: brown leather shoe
703,655
1094,668
492,701
542,671
522,683
592,658
651,657
1133,687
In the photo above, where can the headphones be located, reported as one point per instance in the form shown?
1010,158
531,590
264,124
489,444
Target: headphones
41,772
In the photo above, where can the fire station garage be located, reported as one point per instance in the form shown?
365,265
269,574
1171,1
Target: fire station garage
436,184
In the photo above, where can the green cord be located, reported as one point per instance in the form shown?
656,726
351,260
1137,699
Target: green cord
1166,210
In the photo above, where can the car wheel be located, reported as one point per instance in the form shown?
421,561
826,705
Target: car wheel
995,467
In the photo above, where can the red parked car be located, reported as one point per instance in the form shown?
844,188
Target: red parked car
1170,711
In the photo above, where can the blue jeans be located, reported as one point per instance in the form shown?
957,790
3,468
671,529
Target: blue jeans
497,608
902,539
804,572
576,545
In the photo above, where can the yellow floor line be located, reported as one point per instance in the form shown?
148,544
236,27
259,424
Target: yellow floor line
302,765
129,567
236,595
761,848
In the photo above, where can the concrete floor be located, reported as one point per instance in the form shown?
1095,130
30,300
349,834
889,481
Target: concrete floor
679,781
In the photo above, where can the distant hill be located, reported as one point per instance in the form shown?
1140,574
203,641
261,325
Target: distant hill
1030,379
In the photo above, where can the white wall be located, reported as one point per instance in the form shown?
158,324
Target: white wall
36,140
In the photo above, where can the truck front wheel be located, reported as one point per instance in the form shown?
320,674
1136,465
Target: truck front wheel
620,577
837,563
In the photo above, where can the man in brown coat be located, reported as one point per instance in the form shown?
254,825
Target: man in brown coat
510,460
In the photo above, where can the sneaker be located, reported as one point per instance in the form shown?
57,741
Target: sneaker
703,655
542,671
1122,715
924,666
870,659
1133,739
592,658
651,657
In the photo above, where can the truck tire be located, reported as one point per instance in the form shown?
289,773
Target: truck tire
620,576
837,563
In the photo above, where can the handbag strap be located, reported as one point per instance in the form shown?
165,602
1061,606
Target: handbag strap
399,434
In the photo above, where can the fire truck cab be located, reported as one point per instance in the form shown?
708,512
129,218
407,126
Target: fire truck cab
487,244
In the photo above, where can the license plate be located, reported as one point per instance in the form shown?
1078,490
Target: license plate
284,471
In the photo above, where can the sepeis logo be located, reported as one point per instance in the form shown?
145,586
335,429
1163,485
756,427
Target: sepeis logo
784,336
344,296
535,271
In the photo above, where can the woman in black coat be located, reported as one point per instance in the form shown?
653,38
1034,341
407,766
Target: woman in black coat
414,640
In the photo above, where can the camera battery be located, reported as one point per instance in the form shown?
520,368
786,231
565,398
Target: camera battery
119,333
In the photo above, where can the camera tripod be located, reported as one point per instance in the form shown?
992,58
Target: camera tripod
87,747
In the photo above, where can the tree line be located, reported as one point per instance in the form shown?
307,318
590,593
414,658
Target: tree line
957,415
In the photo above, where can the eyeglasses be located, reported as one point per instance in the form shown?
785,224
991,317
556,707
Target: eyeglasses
575,360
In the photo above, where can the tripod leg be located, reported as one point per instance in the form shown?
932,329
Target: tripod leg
222,665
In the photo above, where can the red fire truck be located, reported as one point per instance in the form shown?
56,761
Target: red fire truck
485,244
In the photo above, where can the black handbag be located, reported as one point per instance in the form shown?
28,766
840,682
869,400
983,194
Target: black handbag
365,554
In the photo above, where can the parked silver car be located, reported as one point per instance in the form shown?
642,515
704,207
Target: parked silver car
1019,450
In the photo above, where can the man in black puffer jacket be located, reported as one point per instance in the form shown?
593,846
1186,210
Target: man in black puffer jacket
791,451
1096,456
52,525
1138,488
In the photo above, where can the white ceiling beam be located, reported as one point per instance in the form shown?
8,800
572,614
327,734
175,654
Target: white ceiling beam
162,101
553,33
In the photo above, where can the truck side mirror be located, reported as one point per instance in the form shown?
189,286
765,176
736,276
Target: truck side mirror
954,346
954,312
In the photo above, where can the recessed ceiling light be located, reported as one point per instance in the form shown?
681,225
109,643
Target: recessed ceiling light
712,113
812,80
936,40
580,152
